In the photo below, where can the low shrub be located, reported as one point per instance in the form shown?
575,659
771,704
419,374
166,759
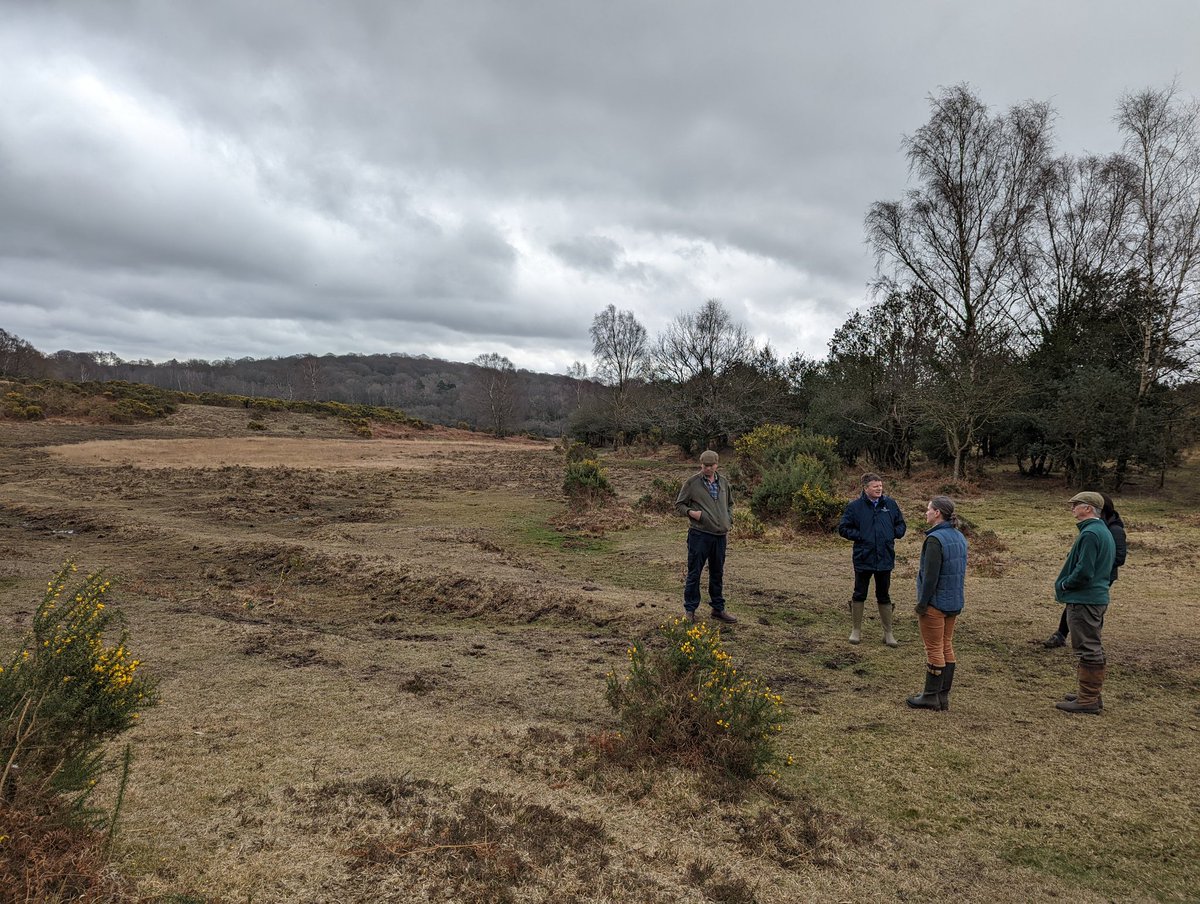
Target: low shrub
129,411
256,425
776,494
64,694
19,407
586,484
660,499
683,700
747,524
813,505
789,475
573,450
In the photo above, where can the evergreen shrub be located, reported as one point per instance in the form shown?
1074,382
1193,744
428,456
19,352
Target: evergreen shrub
684,701
586,484
71,687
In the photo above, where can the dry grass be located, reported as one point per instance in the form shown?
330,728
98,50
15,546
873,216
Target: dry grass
383,665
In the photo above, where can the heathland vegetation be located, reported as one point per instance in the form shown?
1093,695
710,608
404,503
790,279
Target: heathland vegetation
396,661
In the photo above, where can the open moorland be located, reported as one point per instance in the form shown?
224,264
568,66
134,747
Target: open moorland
382,666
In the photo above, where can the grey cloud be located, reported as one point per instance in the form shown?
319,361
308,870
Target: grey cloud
406,166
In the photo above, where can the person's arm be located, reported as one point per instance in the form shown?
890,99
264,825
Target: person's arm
848,526
1084,571
931,569
683,502
901,527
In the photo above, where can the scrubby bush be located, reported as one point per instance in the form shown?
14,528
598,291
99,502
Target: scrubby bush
69,689
815,505
573,450
586,484
747,524
19,407
128,411
789,475
661,497
683,700
773,446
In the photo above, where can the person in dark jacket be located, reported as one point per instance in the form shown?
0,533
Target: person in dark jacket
874,522
1082,586
1112,519
707,502
941,581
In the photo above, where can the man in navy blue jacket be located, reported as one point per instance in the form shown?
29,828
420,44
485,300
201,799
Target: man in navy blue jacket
874,522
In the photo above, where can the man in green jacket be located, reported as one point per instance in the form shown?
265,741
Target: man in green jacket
707,502
1082,586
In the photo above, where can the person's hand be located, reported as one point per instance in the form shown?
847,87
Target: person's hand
922,608
695,514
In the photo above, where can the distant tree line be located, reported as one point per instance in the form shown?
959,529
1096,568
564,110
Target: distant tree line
429,389
1032,305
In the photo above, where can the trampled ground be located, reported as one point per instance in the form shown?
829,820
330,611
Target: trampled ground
382,663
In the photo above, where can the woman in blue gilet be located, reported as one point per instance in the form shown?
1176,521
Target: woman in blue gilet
940,582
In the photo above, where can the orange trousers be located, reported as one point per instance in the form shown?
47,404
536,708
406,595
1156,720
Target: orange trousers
937,633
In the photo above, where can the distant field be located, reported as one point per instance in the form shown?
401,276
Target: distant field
383,662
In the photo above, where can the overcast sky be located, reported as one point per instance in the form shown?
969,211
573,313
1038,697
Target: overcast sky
227,178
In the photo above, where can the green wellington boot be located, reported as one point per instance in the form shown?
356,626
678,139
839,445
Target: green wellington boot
947,681
856,617
885,619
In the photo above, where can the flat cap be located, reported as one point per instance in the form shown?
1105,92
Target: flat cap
1095,500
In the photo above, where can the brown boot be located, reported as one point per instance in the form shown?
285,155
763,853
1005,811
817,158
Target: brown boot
1091,680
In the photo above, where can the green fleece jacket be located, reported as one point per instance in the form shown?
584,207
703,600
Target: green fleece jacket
1084,578
716,515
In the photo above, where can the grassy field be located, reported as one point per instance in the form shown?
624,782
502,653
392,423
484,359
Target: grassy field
382,669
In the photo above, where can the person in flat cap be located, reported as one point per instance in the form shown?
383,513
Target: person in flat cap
707,502
1082,586
1116,526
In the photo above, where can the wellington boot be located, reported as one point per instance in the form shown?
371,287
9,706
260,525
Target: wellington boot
856,617
885,619
947,681
928,698
1091,680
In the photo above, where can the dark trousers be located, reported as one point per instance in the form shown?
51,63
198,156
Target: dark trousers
883,586
705,549
1087,623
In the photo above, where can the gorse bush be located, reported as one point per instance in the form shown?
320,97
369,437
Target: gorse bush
773,446
586,484
69,689
815,505
789,475
19,407
661,498
684,700
747,524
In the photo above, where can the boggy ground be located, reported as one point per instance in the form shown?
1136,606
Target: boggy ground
382,666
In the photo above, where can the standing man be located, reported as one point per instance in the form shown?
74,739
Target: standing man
874,522
1082,586
707,502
